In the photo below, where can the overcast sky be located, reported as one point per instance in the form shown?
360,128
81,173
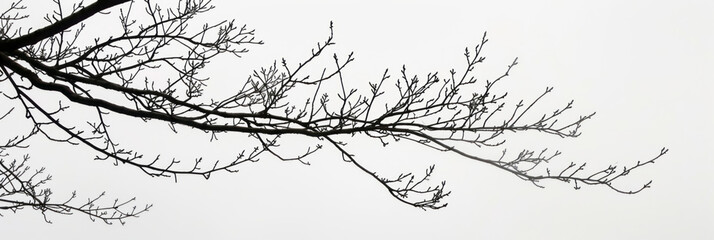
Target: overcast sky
645,67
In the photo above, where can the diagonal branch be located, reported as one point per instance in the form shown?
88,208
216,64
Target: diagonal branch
60,26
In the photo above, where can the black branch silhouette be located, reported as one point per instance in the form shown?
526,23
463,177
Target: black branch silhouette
22,187
116,74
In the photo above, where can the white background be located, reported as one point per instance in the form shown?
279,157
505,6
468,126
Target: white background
646,67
